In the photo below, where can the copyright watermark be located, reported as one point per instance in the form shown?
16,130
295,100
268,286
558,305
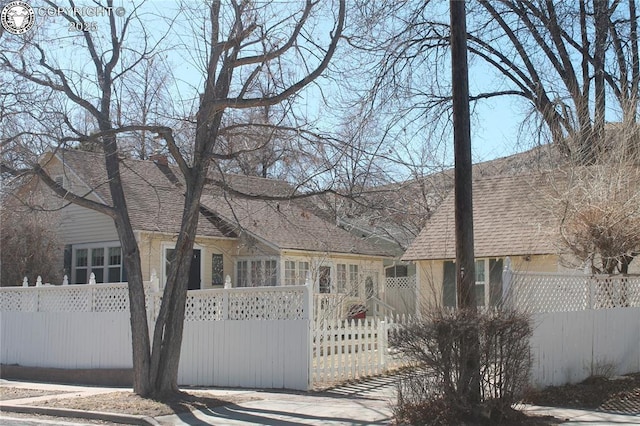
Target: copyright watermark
18,17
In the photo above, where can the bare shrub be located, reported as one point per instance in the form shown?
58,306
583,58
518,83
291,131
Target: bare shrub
30,246
433,394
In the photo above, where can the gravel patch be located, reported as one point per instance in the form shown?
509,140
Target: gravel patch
8,393
130,403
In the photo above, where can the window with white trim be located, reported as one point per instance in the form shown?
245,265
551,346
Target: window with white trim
257,272
481,283
104,260
295,273
348,278
488,282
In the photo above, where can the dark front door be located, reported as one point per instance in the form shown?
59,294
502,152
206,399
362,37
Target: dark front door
194,272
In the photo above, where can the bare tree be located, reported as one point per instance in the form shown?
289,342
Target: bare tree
598,207
243,41
572,63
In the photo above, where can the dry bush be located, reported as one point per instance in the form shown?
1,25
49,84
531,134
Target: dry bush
433,394
30,246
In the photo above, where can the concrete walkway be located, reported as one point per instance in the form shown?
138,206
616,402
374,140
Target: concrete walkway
366,403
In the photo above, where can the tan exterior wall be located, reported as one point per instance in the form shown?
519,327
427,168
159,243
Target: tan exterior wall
536,263
152,246
429,275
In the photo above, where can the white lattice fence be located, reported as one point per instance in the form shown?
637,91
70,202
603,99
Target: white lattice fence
544,292
268,303
68,298
400,293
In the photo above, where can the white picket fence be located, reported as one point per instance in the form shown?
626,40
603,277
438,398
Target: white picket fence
351,349
262,337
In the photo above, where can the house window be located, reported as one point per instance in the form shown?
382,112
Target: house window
353,279
289,272
242,273
80,272
347,278
371,284
397,271
116,270
105,261
217,269
488,288
480,283
324,279
257,272
303,272
295,273
341,277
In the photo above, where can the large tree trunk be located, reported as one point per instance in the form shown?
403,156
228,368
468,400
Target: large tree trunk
131,254
167,341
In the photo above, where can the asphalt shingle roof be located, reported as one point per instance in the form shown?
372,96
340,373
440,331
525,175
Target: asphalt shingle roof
510,218
155,202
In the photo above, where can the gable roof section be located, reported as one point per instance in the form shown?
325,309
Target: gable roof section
155,202
509,219
286,225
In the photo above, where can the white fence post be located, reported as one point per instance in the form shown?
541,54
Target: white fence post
382,345
227,282
308,300
39,281
65,280
25,282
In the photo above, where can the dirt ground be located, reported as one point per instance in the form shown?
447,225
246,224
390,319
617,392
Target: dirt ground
618,394
126,402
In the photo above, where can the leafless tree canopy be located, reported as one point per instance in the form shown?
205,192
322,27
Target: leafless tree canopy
575,64
115,91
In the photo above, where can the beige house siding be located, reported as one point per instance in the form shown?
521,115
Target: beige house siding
152,246
429,275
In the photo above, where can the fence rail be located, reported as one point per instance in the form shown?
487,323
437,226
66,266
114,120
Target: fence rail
551,292
345,350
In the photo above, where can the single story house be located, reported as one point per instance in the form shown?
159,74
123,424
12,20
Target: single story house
511,218
254,241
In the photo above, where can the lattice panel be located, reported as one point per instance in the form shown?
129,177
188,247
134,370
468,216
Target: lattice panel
266,305
615,292
633,287
562,293
18,300
549,293
110,299
401,282
76,298
204,307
